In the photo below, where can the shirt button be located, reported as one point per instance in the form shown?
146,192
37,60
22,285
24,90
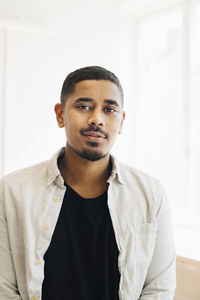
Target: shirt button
58,180
46,228
38,262
56,199
35,298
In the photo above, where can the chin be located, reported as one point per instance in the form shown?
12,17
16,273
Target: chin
92,155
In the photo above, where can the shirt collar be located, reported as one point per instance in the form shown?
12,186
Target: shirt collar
53,171
55,176
116,173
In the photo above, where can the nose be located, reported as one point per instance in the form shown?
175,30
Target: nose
96,118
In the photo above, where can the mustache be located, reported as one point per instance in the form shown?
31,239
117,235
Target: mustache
95,129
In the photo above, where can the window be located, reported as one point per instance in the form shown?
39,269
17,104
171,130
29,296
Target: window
168,103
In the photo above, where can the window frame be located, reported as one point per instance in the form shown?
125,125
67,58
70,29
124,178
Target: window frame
147,10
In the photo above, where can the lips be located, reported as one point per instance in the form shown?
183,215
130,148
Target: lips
93,134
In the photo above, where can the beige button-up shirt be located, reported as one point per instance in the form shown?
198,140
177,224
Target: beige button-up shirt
30,202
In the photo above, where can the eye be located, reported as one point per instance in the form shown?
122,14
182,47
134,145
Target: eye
110,109
84,107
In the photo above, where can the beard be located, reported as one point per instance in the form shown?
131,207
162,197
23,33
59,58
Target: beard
91,155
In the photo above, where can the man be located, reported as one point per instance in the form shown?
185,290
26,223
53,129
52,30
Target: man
83,226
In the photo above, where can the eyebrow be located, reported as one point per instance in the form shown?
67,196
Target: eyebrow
86,99
112,102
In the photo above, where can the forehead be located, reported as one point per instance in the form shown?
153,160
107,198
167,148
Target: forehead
97,89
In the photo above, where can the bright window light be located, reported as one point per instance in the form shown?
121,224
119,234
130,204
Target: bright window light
168,90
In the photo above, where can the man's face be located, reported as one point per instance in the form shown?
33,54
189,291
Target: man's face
92,118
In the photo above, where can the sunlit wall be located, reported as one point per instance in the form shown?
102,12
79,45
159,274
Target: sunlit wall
39,45
154,48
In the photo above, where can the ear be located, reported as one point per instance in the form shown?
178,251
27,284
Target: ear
58,108
122,121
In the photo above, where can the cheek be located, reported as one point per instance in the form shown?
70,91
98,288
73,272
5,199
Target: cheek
73,125
70,121
114,128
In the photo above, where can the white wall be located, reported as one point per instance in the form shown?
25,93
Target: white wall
40,43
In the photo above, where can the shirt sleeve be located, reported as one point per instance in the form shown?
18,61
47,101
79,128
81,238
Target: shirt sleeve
160,281
8,282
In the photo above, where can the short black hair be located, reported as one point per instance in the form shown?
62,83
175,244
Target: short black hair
87,73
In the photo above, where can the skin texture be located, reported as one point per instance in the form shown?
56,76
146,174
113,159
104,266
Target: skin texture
92,118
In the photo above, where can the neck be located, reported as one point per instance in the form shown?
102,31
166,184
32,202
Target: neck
78,171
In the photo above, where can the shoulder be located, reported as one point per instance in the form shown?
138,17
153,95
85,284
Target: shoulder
26,175
146,186
129,174
41,173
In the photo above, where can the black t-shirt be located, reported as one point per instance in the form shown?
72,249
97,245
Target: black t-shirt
81,262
